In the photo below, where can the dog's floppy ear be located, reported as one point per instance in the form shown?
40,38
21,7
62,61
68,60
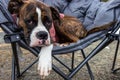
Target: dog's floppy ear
14,6
55,16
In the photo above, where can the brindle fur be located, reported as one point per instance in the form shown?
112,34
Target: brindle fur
69,29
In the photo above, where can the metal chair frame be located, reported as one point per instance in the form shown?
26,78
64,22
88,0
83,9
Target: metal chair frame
117,37
16,39
110,37
16,70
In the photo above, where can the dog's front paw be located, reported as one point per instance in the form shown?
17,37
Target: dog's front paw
44,66
45,61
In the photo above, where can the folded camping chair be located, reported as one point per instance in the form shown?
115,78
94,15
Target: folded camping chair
17,39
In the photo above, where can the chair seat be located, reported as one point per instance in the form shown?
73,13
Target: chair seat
81,44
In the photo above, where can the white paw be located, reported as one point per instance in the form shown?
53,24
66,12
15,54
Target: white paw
44,67
45,61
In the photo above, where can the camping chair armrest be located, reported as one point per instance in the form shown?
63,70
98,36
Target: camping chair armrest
114,36
15,37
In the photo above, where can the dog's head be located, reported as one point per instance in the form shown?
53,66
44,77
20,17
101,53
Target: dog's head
36,19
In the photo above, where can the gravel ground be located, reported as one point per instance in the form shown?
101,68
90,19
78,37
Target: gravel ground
100,64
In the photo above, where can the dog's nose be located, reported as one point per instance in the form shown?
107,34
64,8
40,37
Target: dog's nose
42,35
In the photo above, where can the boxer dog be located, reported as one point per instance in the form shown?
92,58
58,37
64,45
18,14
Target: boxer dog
39,21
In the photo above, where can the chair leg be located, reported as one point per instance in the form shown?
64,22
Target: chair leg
13,69
88,66
61,63
101,46
16,73
115,57
28,67
15,63
61,73
105,42
72,62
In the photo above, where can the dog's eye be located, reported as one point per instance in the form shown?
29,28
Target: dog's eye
29,22
47,21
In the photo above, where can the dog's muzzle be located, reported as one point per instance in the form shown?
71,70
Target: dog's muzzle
42,36
39,38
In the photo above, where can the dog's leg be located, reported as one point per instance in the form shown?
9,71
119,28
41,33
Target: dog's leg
45,61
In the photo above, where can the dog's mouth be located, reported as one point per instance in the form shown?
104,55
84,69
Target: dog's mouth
39,43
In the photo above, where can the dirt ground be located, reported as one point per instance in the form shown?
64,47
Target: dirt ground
100,64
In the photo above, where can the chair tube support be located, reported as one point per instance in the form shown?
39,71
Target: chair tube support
57,70
15,59
28,67
88,66
115,56
94,52
13,69
62,63
73,58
